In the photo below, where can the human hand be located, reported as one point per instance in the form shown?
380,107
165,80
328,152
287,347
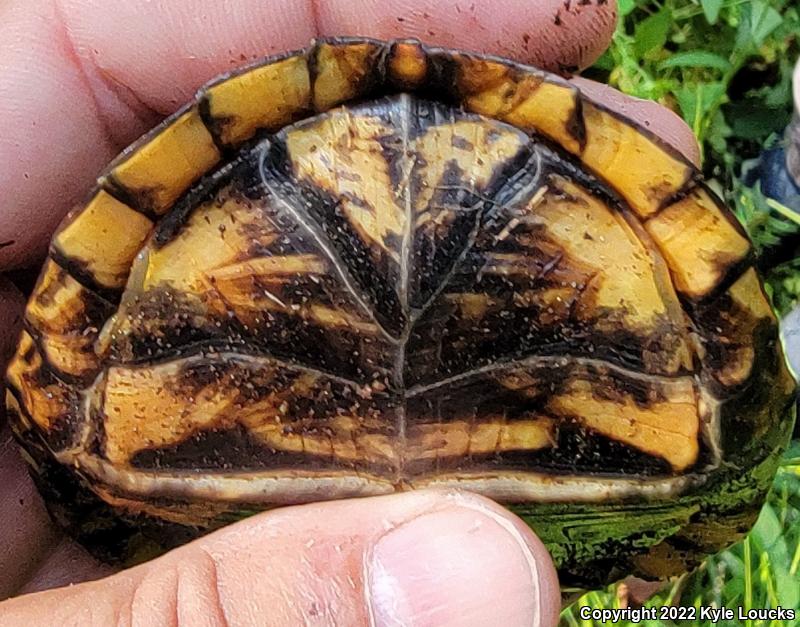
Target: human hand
82,78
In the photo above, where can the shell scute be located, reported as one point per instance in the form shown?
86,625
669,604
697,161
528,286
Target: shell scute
158,171
43,401
266,97
700,242
740,330
407,65
645,171
345,70
66,318
103,239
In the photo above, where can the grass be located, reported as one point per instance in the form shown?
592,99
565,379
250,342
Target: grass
725,66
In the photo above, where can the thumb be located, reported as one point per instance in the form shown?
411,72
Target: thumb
419,558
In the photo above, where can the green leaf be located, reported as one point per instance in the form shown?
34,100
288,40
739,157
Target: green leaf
651,33
719,132
764,20
687,101
711,10
697,100
625,7
696,58
605,62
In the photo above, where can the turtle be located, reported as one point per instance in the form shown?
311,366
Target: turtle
373,266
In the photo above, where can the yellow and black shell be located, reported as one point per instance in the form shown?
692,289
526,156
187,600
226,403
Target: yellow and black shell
375,266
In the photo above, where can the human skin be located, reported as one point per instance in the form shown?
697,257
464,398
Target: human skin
79,80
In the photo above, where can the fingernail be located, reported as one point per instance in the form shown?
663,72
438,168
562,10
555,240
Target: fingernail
459,566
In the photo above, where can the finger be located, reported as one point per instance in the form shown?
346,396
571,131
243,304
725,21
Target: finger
34,555
67,563
26,533
419,558
659,120
79,79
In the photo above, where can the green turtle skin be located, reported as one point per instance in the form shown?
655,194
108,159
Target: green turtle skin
369,267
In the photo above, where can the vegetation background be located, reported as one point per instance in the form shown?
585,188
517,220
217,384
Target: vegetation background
726,67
